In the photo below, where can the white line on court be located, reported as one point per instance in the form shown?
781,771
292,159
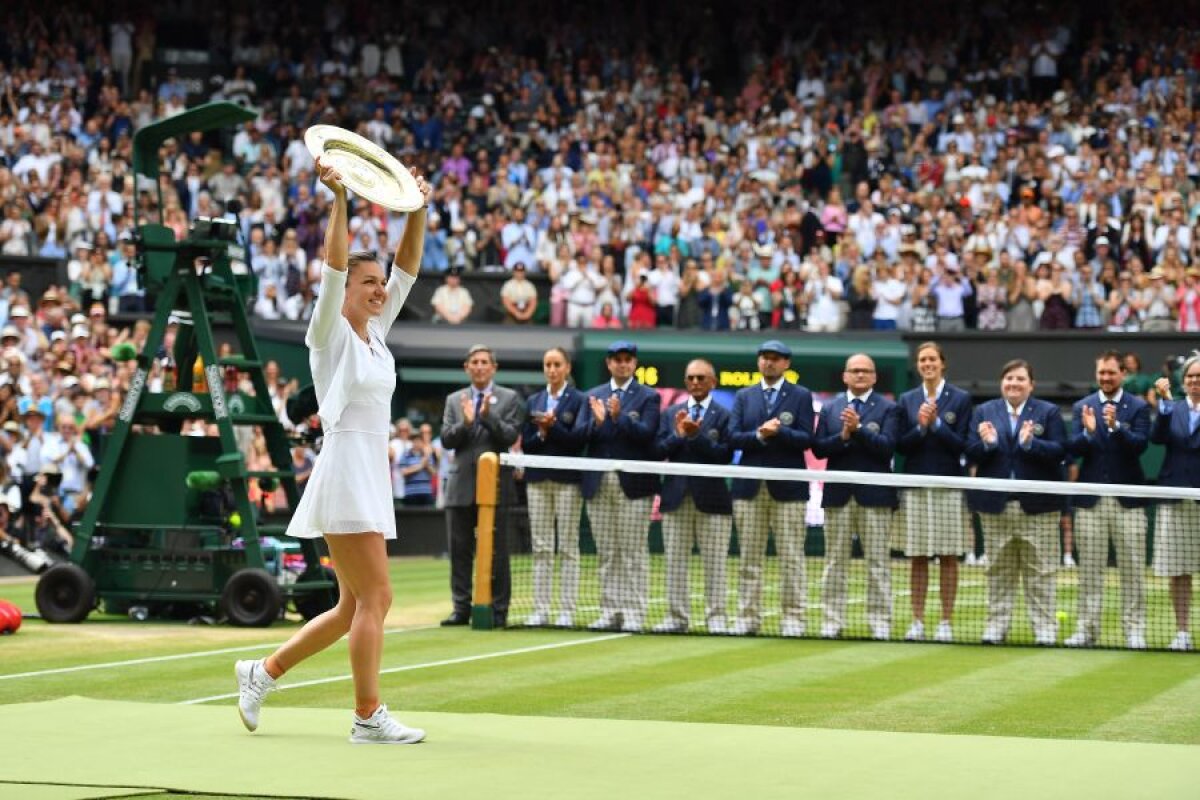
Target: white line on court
177,657
428,665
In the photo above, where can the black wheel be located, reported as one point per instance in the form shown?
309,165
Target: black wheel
65,593
315,602
251,599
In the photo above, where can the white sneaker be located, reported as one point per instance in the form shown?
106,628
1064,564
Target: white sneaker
881,632
944,632
1182,642
1079,639
381,728
1136,641
916,632
537,620
983,561
1068,561
633,624
830,631
992,636
253,685
1046,638
744,627
565,620
792,628
609,621
717,626
671,625
971,561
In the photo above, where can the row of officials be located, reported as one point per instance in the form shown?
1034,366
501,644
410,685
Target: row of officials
935,426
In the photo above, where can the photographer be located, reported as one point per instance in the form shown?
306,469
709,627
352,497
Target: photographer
47,512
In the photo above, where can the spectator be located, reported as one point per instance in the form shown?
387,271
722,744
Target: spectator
519,297
451,301
418,467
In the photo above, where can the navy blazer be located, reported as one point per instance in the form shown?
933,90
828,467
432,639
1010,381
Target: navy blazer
561,439
631,437
794,409
1181,464
1043,461
1111,457
937,450
869,449
710,446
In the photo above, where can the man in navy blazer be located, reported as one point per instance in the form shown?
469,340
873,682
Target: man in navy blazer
1017,436
620,420
554,498
857,431
771,424
1111,429
695,510
1177,525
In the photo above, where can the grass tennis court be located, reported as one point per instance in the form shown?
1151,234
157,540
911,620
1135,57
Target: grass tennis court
565,686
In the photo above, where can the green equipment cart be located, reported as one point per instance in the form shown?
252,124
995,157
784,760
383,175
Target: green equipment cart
170,523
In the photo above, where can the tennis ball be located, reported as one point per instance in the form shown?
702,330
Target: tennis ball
1062,616
235,520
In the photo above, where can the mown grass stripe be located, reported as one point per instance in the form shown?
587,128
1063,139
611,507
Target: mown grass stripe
1172,715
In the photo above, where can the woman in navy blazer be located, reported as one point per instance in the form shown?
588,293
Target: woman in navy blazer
554,498
935,419
1177,525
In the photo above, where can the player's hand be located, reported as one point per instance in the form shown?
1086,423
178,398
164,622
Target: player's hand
422,184
331,178
1089,419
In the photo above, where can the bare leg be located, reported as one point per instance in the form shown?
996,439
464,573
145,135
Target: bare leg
948,579
317,634
920,585
1181,598
362,568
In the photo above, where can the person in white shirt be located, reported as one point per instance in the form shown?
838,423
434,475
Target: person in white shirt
355,376
581,284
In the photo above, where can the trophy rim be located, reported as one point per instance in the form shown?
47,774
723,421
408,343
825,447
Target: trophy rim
403,194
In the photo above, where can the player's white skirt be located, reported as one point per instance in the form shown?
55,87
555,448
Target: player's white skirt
933,522
1177,539
350,489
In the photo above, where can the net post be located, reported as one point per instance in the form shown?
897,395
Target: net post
487,483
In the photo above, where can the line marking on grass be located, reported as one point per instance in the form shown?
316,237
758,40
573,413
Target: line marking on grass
428,665
175,657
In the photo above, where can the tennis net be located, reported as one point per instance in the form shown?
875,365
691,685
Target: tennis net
662,547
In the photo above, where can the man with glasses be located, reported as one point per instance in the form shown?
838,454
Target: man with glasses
771,424
857,431
696,510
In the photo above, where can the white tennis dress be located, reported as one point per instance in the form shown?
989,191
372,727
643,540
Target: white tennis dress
350,490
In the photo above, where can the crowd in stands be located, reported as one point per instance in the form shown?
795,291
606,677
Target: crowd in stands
1014,167
1017,171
